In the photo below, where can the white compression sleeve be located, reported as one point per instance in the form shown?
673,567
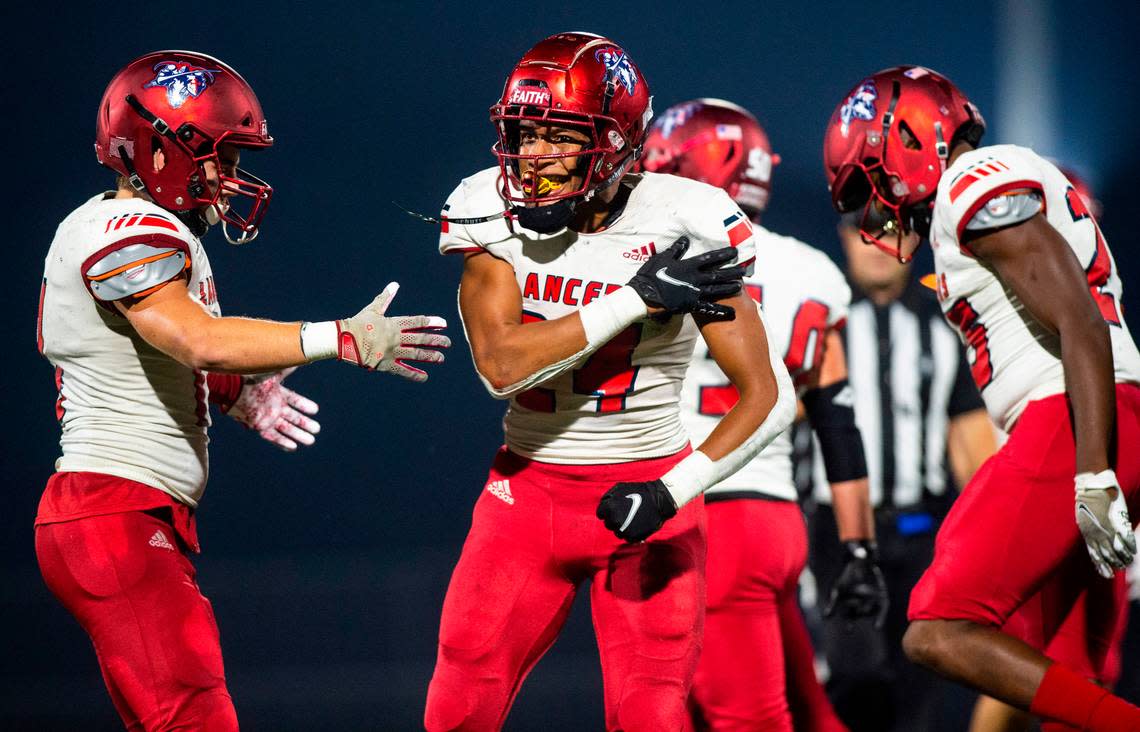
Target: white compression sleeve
602,319
698,472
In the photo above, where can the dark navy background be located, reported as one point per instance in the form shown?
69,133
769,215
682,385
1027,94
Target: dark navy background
327,567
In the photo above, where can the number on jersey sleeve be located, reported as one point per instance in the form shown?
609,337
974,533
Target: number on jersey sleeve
963,316
1100,269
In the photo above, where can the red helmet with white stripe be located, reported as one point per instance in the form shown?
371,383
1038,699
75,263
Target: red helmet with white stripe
887,145
581,80
185,105
718,143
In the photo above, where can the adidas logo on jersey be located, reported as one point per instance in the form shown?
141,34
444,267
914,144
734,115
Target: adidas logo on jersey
501,489
159,541
640,254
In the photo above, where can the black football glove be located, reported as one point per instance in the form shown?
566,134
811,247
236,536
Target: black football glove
860,591
634,511
689,285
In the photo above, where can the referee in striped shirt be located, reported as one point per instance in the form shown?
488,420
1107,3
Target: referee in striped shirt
925,431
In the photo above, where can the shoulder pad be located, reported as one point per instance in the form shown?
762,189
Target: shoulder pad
1006,210
136,268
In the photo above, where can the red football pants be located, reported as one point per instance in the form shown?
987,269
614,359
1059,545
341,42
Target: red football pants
126,580
1012,534
534,539
754,632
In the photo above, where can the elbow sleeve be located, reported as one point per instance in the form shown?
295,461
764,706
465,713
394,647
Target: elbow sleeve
831,411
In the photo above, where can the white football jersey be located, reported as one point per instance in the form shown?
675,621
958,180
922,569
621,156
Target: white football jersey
802,295
1014,359
621,403
125,408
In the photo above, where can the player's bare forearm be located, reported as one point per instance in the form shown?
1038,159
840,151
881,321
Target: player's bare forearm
505,349
740,348
970,441
1034,261
176,324
851,502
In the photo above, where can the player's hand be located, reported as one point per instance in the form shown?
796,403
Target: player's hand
1102,516
390,345
634,511
689,285
860,591
279,415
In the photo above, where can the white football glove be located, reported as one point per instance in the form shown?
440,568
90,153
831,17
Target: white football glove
378,343
279,415
1102,516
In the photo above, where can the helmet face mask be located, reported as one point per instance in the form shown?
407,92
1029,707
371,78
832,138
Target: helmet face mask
581,82
188,106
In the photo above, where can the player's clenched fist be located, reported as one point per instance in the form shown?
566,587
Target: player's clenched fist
379,343
1102,516
689,285
634,511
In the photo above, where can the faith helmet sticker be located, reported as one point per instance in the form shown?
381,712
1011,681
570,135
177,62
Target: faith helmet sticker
860,105
181,80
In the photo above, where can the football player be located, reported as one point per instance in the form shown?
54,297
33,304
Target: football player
578,284
1026,278
1067,644
757,537
129,317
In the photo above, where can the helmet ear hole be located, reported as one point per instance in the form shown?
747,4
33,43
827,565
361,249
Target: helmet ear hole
909,139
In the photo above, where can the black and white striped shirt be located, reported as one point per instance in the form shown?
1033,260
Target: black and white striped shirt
909,376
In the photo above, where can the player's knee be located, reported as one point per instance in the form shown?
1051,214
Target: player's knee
652,710
459,701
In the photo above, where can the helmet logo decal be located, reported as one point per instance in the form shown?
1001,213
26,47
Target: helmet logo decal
531,96
674,117
860,105
181,80
618,67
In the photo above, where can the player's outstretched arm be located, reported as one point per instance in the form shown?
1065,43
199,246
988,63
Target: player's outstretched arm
1037,264
767,405
172,321
860,590
512,356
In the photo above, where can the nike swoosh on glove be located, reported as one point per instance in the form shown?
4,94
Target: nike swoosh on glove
860,591
689,285
391,345
1102,516
633,511
279,415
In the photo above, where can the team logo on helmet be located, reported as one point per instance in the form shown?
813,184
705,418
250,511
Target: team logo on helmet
618,67
675,117
860,105
181,80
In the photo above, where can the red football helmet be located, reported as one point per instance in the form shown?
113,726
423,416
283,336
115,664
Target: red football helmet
578,79
886,146
715,142
185,104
